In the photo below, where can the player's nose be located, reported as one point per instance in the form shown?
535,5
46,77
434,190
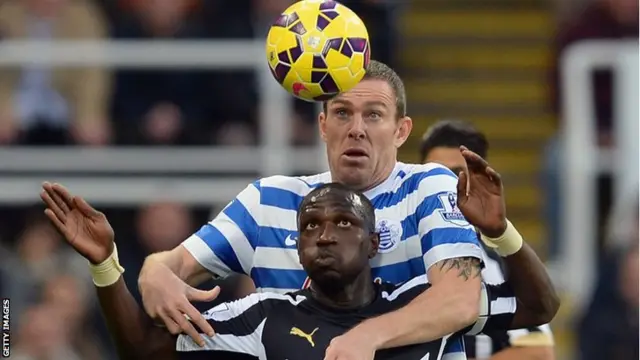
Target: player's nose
328,236
357,130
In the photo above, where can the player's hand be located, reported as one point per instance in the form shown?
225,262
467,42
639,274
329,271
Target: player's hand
83,227
167,299
481,196
353,345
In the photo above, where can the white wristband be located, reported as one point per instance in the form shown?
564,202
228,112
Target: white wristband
506,244
107,272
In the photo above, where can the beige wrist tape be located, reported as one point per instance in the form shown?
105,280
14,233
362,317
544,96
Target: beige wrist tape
107,272
507,244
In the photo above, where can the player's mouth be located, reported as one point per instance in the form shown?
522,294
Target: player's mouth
355,154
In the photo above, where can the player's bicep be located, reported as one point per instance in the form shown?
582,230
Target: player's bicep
238,327
227,243
444,232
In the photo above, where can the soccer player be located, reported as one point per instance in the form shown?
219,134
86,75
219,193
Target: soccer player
422,230
337,239
441,144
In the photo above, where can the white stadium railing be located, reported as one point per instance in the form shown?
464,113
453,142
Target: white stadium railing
274,156
584,160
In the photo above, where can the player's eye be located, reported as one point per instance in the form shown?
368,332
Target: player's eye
344,223
375,115
311,226
341,112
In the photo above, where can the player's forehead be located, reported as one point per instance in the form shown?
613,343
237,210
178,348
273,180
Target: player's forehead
368,93
331,201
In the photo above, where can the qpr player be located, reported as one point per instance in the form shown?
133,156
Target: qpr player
416,205
337,239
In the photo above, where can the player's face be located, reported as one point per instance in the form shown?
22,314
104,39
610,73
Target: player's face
447,156
363,133
334,247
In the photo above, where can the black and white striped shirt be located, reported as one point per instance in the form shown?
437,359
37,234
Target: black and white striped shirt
295,326
482,346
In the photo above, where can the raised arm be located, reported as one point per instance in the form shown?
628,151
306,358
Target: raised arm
90,234
223,246
484,207
135,335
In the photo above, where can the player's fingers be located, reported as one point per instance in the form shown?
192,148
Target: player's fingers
84,207
495,176
55,221
169,323
462,186
58,198
196,318
194,294
473,160
64,194
53,206
187,327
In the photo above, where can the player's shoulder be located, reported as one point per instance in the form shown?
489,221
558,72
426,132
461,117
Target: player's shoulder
420,180
300,185
425,170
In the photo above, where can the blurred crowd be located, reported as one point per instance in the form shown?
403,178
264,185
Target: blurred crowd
97,106
54,310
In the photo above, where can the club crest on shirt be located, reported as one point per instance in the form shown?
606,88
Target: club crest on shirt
450,211
390,232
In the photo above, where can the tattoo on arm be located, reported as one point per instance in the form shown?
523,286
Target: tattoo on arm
467,267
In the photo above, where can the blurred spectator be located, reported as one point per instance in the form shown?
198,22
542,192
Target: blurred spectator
37,258
159,227
157,106
601,19
43,336
609,327
44,105
71,300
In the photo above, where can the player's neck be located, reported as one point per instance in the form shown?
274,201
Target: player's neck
357,294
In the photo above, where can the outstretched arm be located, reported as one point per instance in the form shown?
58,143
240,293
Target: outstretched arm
136,337
222,246
483,205
90,234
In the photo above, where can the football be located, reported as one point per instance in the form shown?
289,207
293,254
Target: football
317,49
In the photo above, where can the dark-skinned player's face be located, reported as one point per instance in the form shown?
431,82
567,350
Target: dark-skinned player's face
335,244
449,157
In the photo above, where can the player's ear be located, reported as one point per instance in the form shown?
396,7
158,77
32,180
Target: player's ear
322,125
403,130
375,243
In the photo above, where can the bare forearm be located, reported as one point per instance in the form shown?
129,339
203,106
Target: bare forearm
538,301
413,324
178,261
448,306
133,332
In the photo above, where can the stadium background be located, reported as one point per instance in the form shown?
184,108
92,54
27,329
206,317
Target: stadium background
495,63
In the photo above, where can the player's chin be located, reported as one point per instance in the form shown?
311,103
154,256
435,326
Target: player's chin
354,176
322,273
328,280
